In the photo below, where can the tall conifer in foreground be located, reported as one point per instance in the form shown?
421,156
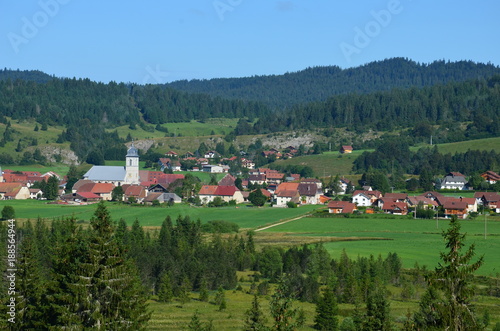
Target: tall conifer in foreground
95,286
453,279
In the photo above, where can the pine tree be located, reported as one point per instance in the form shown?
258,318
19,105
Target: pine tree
255,319
29,285
203,291
281,308
220,299
165,293
326,312
453,279
195,323
377,311
95,285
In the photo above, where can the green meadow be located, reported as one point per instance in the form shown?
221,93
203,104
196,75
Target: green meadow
414,240
326,164
246,217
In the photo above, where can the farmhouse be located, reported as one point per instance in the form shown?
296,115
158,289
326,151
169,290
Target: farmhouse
341,207
286,192
491,177
452,181
455,207
212,168
10,191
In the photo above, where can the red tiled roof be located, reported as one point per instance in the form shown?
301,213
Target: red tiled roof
102,188
208,190
454,203
345,206
287,187
226,190
88,195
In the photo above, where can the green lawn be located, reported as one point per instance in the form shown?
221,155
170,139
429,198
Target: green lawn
414,240
486,144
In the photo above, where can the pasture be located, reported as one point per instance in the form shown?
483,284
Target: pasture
413,240
247,217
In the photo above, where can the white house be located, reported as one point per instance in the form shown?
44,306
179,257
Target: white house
361,199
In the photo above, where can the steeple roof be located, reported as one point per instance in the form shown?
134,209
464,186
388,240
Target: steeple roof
132,151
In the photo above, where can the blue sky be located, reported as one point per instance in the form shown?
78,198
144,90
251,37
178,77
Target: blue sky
160,41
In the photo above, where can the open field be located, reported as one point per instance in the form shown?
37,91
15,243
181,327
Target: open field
413,240
486,144
244,216
326,164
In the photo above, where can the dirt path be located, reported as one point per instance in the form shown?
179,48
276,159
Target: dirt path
279,223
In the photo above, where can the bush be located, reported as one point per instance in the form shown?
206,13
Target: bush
291,204
220,226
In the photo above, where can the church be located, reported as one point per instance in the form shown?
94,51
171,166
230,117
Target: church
117,175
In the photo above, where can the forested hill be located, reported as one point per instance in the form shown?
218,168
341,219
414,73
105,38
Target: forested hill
29,75
475,101
320,83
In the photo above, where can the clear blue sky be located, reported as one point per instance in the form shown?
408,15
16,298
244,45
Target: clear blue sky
160,41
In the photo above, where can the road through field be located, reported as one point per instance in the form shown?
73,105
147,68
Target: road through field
280,223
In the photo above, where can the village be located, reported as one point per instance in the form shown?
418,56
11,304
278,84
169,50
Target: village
130,184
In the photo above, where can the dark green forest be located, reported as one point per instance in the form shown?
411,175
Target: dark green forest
320,83
476,101
388,95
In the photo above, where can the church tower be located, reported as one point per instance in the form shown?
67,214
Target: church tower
132,166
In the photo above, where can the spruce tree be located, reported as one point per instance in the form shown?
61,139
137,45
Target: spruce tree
165,293
255,319
281,307
326,312
29,285
96,286
220,299
453,277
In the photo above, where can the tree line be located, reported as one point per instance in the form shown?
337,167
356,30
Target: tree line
319,83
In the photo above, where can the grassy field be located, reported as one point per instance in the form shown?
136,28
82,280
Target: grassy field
244,216
486,144
326,164
414,240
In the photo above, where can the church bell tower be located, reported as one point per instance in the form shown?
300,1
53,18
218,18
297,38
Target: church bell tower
132,166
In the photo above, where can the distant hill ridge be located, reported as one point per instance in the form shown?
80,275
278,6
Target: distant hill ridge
319,83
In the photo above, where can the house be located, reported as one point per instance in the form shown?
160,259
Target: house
207,193
249,164
491,177
274,177
452,181
158,188
227,180
455,207
166,163
432,195
87,197
341,207
309,193
212,168
228,193
136,192
14,191
426,203
491,200
361,199
365,198
162,198
210,154
35,193
103,190
346,149
315,181
257,179
286,192
395,208
171,154
397,197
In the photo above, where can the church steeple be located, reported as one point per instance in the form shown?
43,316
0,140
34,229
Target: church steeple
132,165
